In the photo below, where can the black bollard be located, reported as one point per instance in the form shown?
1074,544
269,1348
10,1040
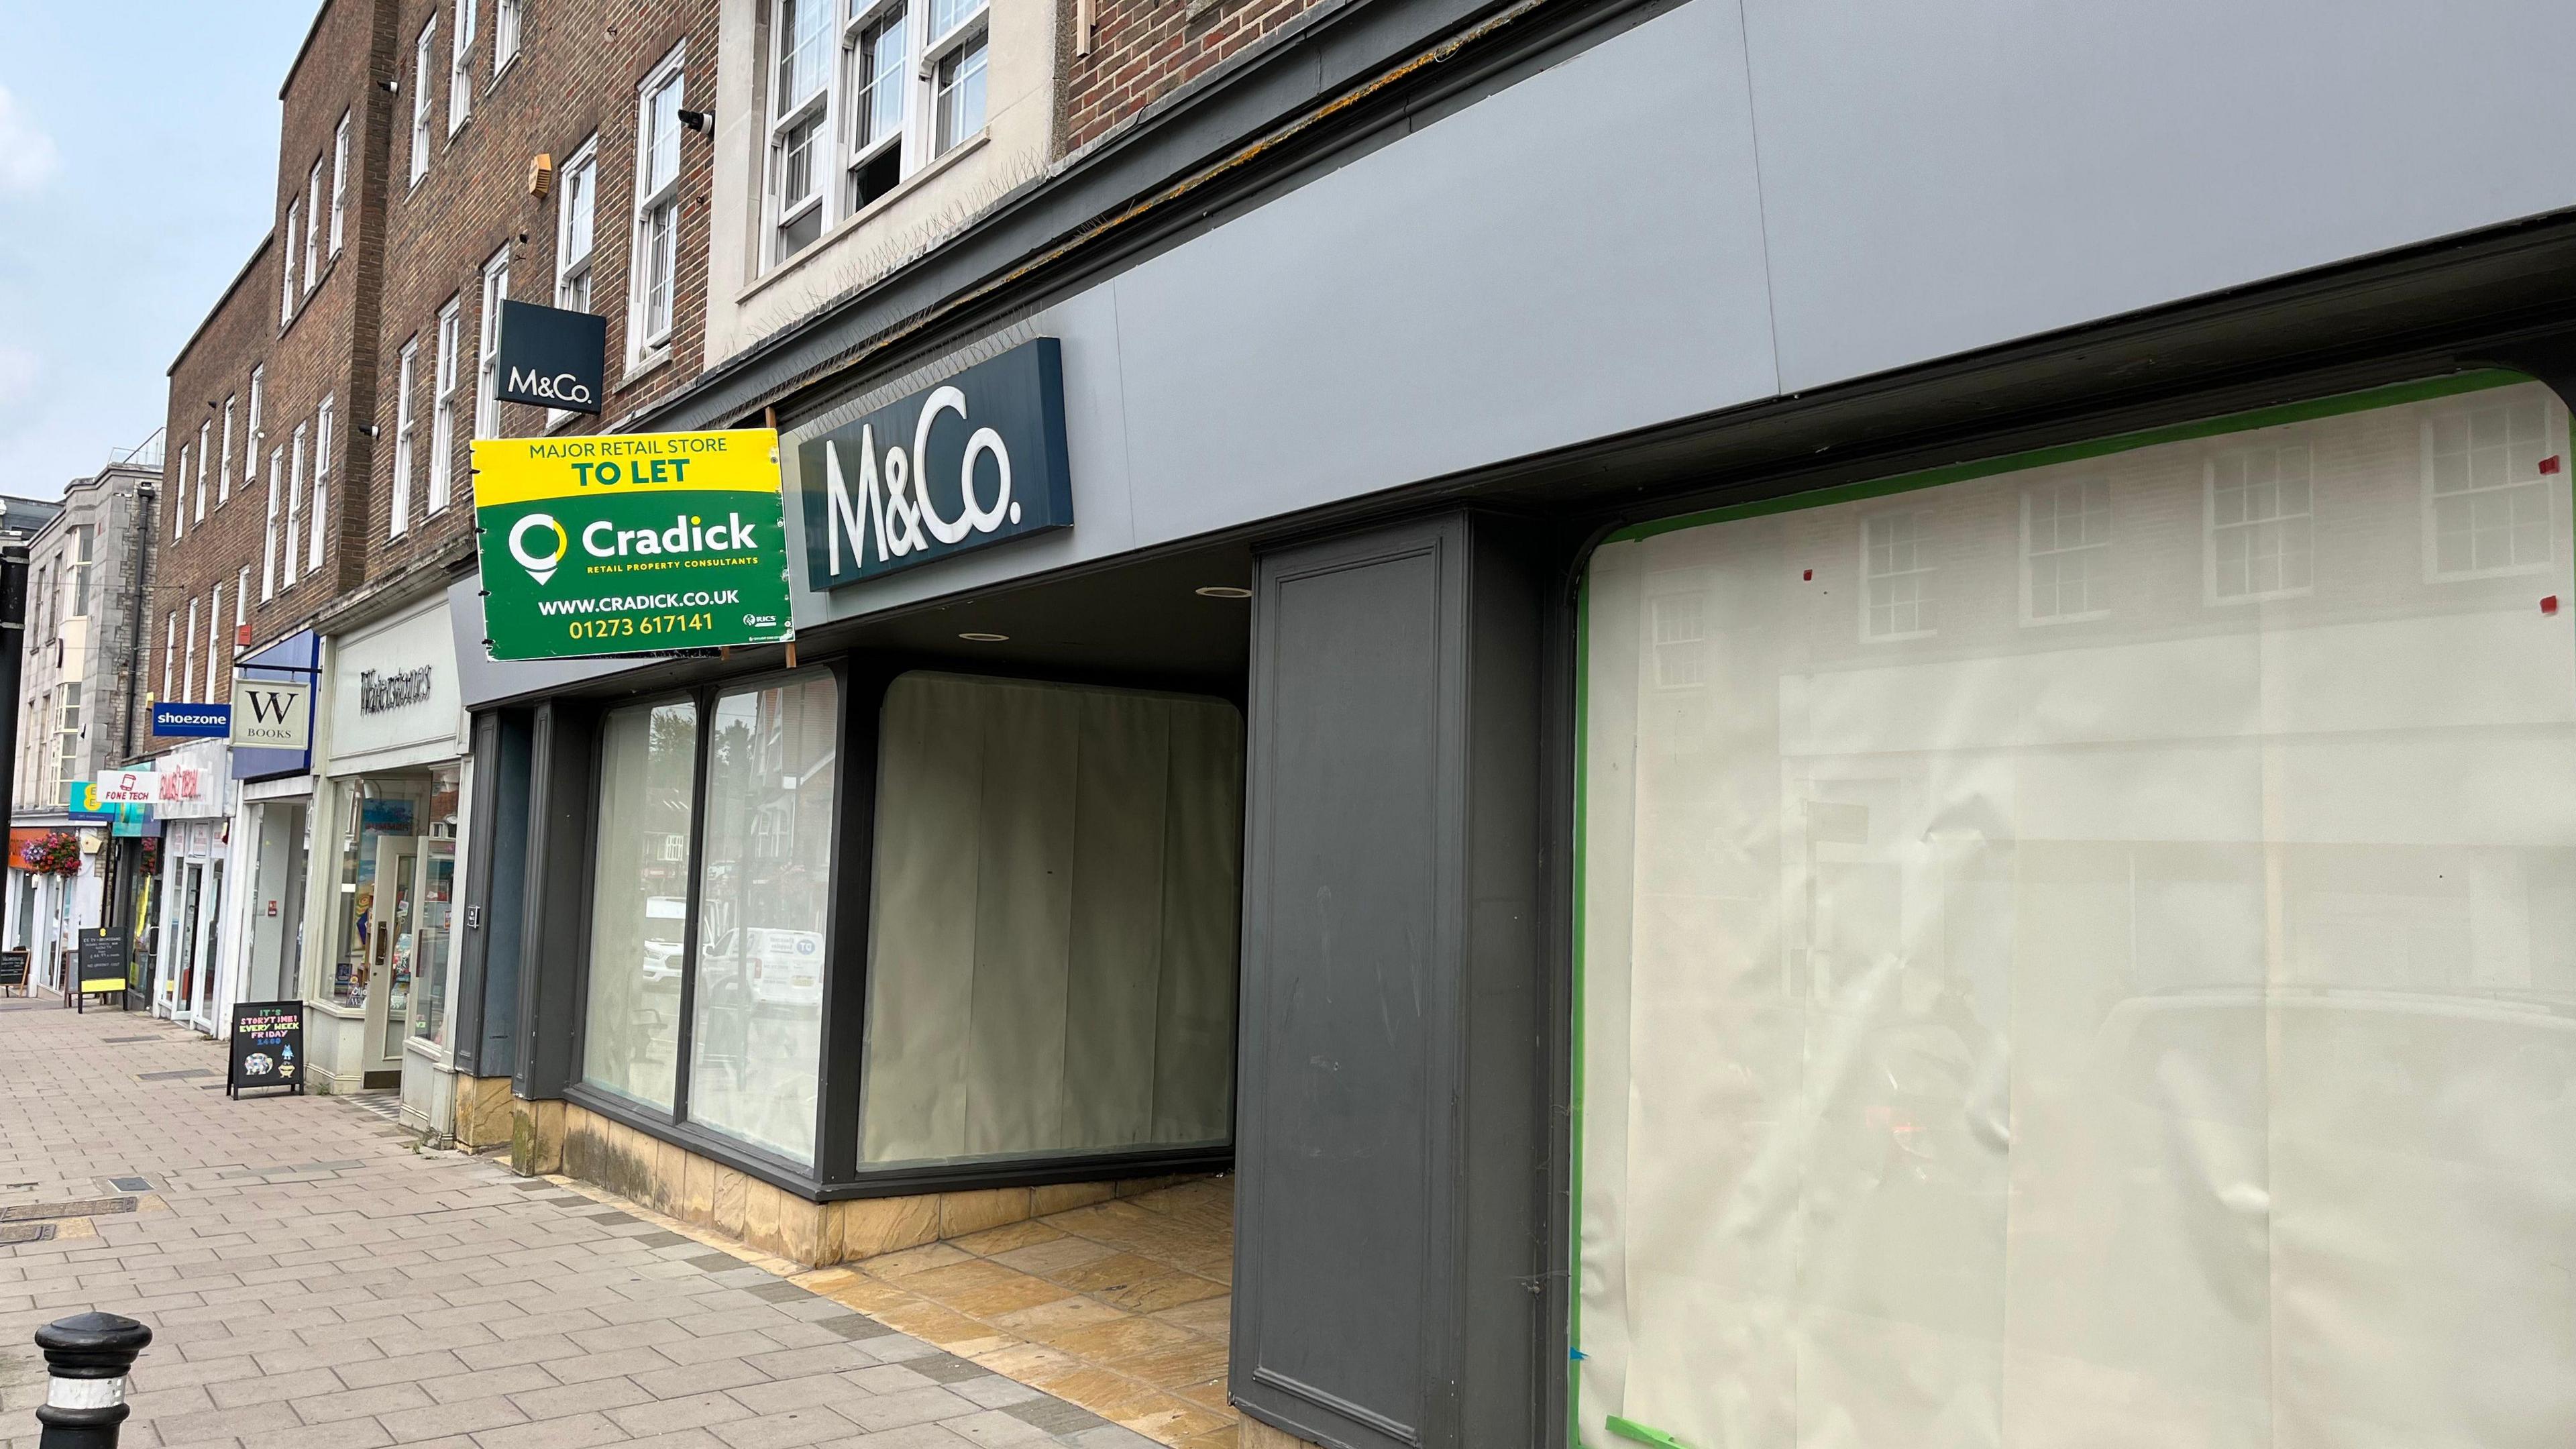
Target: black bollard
88,1355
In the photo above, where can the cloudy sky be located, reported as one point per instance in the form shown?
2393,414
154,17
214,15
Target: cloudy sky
138,166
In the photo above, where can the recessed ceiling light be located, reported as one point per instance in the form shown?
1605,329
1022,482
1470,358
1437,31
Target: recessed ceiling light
973,636
1224,591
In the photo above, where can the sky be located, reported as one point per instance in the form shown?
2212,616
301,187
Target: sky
138,167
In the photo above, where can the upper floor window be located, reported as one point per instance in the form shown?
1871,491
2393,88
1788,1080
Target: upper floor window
1896,576
576,222
205,441
268,545
800,105
460,67
420,64
2066,551
257,437
908,88
288,245
487,346
313,228
657,208
294,490
405,375
179,498
224,466
320,512
442,410
505,35
339,181
2261,534
83,537
2486,502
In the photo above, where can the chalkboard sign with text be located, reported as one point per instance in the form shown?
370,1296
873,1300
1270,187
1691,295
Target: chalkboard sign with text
13,971
267,1047
101,965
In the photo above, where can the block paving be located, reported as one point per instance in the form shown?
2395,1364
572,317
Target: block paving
314,1280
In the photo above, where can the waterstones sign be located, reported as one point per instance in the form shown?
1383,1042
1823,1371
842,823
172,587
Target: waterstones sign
975,461
629,543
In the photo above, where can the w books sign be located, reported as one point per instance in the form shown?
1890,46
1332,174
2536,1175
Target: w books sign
630,543
268,716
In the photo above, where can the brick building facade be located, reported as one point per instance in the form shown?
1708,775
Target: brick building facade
514,173
1128,54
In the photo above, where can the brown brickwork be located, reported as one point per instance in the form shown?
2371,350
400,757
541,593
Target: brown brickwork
323,348
576,76
406,248
1143,50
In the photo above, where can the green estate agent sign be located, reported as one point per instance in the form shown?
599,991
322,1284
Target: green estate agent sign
630,543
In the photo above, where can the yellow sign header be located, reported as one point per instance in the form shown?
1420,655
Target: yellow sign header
525,470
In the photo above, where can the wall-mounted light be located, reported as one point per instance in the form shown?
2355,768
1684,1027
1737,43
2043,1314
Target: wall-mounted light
972,636
702,122
390,86
1222,591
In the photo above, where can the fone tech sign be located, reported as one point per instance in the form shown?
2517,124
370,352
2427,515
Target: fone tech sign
977,460
552,357
626,543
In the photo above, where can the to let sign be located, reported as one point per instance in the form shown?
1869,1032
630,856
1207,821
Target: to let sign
977,460
551,357
630,543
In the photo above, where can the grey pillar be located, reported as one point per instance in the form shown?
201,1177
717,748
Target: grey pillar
1392,1141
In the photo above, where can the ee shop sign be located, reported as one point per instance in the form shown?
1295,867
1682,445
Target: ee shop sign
977,460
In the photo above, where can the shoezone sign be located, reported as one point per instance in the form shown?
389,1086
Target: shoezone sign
975,461
630,543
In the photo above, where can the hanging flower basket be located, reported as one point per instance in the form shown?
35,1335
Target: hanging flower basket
54,853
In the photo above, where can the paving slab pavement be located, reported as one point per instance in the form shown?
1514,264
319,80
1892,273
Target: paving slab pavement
314,1280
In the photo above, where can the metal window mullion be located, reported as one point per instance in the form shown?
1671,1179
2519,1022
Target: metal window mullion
686,1042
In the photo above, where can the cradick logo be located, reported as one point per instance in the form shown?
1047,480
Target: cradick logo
563,387
540,567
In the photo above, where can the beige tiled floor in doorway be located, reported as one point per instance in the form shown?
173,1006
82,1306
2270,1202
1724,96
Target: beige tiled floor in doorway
1120,1307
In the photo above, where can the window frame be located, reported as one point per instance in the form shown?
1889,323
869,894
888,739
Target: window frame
2030,615
835,1174
255,428
460,67
487,345
287,295
2210,526
77,563
320,507
294,505
508,18
420,71
2548,486
1869,521
581,268
224,464
442,408
179,498
313,256
214,640
407,366
903,76
205,437
339,182
788,114
647,269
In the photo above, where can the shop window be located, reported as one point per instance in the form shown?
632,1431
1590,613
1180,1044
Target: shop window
640,903
2066,550
392,932
2486,501
2159,1033
2262,530
1896,576
1052,969
756,1036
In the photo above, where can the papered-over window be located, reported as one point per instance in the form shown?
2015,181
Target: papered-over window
1057,882
2158,1029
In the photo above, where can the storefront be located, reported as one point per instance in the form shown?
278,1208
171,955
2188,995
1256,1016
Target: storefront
55,891
194,806
387,841
2117,903
274,822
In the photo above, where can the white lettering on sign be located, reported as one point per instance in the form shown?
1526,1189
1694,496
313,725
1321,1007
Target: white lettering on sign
562,387
894,514
378,693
